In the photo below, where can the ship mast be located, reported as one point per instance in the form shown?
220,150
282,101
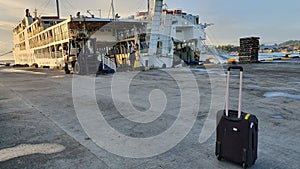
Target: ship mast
57,8
148,7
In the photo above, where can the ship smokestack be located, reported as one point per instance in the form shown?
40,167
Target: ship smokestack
27,14
57,7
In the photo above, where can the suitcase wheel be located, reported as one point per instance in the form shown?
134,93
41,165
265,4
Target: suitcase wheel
219,157
244,165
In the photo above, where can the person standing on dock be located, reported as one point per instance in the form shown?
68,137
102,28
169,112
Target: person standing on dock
132,58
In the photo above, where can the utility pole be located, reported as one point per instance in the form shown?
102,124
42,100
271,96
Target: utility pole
99,12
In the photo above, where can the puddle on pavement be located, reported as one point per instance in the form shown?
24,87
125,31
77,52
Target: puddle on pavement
285,88
219,72
28,149
294,83
22,71
281,94
199,71
57,77
279,117
250,86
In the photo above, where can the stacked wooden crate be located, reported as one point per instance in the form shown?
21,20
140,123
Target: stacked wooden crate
249,48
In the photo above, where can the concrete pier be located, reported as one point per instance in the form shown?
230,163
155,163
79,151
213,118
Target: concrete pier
37,109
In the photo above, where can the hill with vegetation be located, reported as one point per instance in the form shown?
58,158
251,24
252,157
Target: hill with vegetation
232,48
228,48
291,43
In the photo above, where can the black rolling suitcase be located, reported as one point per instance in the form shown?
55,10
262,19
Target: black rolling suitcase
236,131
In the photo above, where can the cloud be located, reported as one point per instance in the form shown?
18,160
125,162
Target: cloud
12,4
232,19
7,24
6,40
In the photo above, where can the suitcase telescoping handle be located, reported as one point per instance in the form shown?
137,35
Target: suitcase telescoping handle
240,90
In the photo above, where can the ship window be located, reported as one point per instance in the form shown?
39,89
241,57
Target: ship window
159,44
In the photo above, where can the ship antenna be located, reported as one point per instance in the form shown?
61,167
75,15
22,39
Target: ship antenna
112,9
57,7
35,13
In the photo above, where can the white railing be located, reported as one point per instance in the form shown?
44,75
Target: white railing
109,62
142,61
156,61
58,54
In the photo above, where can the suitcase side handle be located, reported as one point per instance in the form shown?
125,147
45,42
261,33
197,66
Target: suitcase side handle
240,90
236,67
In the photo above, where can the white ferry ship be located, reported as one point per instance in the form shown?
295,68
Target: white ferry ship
160,37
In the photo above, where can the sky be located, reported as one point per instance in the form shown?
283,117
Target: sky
274,21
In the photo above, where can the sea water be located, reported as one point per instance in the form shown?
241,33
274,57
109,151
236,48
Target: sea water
6,59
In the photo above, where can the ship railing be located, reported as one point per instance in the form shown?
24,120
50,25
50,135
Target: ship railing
55,37
40,55
35,31
58,37
30,34
52,55
109,62
43,55
52,39
74,51
75,32
22,38
58,54
48,40
142,61
47,55
65,35
72,32
41,29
